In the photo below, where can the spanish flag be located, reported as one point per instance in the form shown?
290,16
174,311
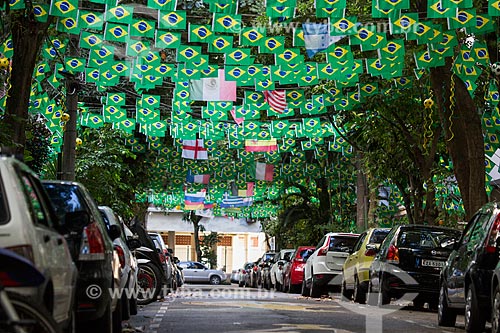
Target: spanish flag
261,145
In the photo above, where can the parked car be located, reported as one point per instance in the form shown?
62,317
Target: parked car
466,279
294,269
165,258
133,244
356,270
91,247
128,273
495,300
326,262
263,271
282,257
30,227
197,272
409,261
234,277
244,274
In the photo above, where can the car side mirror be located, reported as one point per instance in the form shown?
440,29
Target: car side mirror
176,260
114,231
133,243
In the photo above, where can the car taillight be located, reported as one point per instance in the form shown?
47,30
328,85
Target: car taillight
393,254
491,244
25,251
370,252
162,257
121,255
92,247
243,271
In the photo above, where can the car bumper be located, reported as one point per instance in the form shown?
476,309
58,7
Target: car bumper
93,290
326,279
425,283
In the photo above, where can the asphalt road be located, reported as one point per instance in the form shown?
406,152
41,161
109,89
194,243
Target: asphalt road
227,308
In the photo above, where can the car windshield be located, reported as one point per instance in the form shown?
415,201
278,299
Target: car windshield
378,236
341,243
428,239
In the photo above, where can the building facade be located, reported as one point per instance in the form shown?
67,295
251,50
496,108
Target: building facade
241,241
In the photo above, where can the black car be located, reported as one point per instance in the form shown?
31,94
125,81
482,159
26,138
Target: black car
91,247
466,279
409,261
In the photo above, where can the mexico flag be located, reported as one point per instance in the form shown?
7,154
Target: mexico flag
215,89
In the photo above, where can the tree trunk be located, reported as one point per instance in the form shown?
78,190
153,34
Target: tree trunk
27,38
195,219
361,197
464,137
325,201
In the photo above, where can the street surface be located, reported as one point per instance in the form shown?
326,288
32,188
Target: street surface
227,308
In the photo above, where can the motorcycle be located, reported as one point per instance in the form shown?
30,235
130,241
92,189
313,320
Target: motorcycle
151,277
18,313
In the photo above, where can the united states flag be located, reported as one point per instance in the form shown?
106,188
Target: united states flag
276,99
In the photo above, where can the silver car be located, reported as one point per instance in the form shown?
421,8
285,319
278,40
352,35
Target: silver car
128,266
197,272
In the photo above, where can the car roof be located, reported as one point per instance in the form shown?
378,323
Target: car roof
347,234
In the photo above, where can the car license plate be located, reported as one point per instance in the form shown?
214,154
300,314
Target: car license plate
432,263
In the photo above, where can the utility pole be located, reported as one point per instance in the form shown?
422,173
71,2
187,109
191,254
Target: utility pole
67,168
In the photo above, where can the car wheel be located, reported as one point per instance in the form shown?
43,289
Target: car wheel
241,283
383,296
418,303
315,291
495,311
117,318
215,280
359,294
149,283
346,294
133,306
103,324
305,290
474,318
371,297
125,307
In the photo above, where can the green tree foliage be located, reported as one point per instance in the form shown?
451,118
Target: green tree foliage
111,172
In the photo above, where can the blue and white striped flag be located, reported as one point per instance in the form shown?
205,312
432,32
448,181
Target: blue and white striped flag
235,202
317,37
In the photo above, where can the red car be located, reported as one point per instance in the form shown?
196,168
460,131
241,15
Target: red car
294,269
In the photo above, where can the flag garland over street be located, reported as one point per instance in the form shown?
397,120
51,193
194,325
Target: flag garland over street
118,44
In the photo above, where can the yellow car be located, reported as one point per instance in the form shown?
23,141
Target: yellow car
355,273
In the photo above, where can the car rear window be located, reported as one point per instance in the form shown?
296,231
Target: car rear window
378,236
304,252
341,243
65,197
428,239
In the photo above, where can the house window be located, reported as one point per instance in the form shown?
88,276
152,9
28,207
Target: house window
182,240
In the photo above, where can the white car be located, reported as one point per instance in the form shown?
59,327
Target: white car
277,268
324,266
28,224
128,268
